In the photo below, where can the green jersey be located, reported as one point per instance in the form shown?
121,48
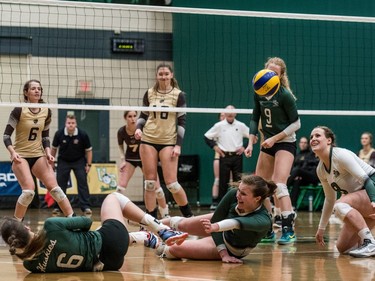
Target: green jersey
275,114
254,225
70,246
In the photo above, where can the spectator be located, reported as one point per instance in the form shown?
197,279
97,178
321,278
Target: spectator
303,170
367,153
226,138
75,153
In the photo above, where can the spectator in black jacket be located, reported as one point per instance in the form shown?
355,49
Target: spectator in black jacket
303,171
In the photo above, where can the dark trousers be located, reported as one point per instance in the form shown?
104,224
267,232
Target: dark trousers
228,164
300,177
63,174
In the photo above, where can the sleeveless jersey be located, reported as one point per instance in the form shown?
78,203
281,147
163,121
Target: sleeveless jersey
347,174
161,127
275,114
70,246
29,127
132,145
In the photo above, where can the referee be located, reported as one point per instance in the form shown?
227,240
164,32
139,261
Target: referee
75,153
226,138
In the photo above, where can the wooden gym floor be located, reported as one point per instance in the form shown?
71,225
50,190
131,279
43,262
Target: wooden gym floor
303,260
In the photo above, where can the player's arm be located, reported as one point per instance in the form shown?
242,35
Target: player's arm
72,223
181,119
143,116
14,117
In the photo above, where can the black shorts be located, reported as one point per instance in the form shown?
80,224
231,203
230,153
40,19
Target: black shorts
158,147
288,146
135,163
115,245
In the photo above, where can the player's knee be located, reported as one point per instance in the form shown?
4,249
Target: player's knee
150,185
159,193
174,187
341,210
57,194
26,197
122,199
281,190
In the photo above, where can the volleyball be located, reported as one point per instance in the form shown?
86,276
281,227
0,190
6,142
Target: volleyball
266,83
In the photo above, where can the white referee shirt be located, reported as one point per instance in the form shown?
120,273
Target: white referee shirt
229,137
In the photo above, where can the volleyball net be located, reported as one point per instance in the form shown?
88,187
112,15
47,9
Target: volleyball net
83,50
103,57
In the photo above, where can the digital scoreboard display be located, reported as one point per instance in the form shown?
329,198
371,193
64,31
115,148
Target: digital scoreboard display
127,45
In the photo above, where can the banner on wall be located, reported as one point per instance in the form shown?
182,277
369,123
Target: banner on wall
8,182
102,179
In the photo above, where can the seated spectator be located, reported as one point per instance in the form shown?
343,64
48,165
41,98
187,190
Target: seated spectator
367,153
303,171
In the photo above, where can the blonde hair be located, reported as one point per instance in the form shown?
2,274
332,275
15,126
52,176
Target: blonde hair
284,80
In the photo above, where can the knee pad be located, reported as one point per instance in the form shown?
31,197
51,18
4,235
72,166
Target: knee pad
174,187
122,199
159,193
150,185
341,210
281,190
26,197
57,194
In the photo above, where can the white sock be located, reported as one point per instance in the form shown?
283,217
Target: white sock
365,233
137,238
154,224
164,212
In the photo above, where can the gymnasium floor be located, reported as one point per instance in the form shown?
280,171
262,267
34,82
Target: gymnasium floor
302,261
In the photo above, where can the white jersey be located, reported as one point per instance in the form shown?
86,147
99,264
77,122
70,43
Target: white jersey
347,173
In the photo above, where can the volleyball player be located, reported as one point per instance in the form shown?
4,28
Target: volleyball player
68,244
31,154
279,121
161,135
342,171
230,233
131,160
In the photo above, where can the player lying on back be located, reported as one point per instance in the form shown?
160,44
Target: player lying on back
68,244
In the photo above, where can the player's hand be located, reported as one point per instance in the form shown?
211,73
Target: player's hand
15,157
122,166
249,150
138,134
51,160
268,143
176,151
319,237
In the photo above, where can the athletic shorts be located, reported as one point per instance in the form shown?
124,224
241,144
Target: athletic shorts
158,147
135,163
115,245
288,146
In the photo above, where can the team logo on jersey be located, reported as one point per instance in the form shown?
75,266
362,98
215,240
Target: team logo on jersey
76,141
35,121
336,173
